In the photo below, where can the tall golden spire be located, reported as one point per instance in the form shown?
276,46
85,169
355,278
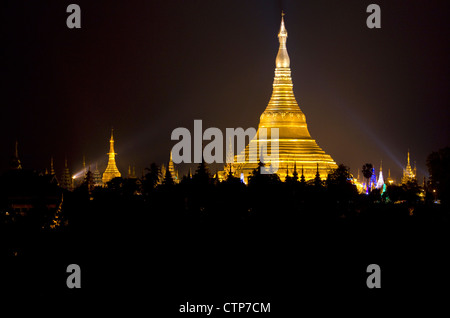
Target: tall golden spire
111,171
282,112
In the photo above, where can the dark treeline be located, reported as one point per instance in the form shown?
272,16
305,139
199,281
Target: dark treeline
265,200
202,226
127,204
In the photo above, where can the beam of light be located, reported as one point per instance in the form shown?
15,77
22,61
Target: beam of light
366,129
81,174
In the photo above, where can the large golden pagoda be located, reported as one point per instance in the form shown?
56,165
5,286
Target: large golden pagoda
111,171
296,147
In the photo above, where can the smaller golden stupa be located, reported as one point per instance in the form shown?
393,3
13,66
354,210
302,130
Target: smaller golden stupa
111,171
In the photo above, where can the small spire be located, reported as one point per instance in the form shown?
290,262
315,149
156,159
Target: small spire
15,161
381,165
317,174
52,170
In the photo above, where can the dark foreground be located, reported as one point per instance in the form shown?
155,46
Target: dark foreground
137,260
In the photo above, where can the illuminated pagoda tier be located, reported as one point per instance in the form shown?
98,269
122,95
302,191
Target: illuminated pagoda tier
97,177
409,174
162,174
111,171
66,179
380,181
53,172
173,172
373,180
131,172
296,147
389,180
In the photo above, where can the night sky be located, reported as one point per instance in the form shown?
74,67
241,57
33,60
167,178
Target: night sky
148,67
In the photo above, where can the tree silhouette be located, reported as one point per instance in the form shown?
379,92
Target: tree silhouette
168,179
202,173
339,186
151,179
367,170
438,164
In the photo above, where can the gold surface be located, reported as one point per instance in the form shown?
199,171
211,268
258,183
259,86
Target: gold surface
409,174
111,171
296,147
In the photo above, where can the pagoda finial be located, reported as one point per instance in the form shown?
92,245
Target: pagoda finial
282,60
112,134
381,165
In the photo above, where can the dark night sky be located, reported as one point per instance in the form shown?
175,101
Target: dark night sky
147,67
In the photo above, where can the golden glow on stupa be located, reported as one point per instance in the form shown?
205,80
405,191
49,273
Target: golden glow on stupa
409,174
111,171
296,147
173,172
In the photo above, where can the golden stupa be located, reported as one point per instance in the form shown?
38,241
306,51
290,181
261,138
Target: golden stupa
297,150
111,171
